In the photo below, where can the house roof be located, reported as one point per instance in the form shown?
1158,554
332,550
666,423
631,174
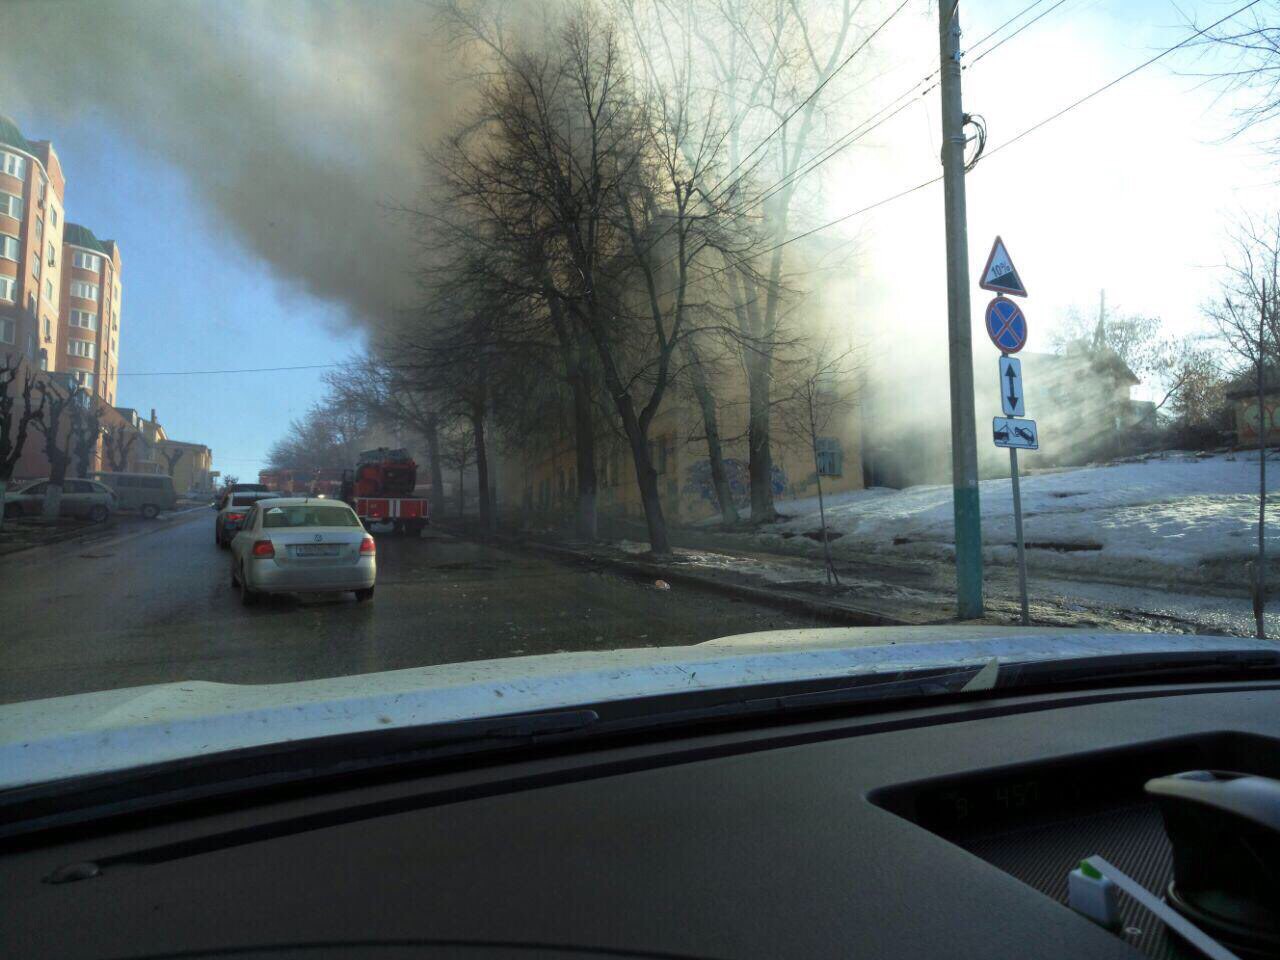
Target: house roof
10,134
82,236
1246,384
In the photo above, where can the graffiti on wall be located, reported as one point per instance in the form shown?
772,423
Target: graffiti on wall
1247,418
698,483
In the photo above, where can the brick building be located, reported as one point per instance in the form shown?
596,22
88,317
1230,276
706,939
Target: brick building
31,228
89,321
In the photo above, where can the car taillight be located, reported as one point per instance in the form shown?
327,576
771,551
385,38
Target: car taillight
237,517
368,547
264,548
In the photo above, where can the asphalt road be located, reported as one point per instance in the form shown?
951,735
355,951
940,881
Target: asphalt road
153,603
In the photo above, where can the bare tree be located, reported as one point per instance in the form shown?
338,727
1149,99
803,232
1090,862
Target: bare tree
1248,320
55,426
393,400
768,60
171,457
458,445
17,413
117,444
86,431
819,390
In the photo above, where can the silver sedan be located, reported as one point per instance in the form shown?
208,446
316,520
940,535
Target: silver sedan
302,545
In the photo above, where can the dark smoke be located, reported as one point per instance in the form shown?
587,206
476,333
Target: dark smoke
301,124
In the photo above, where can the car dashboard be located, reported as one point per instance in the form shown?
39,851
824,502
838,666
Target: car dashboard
930,830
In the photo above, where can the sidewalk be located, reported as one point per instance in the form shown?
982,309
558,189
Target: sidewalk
875,592
19,534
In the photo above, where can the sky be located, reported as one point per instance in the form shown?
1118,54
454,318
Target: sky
284,249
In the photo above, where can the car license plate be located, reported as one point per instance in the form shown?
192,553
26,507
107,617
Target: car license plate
316,550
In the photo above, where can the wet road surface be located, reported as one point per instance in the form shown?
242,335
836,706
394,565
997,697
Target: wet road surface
154,604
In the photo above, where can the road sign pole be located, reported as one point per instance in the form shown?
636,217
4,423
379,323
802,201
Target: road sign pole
964,441
1017,531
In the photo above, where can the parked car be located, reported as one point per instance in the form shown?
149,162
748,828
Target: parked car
234,488
302,545
148,493
80,498
231,513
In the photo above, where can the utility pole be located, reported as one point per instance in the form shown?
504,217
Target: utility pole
964,442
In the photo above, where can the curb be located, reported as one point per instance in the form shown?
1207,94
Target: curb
80,533
112,531
785,600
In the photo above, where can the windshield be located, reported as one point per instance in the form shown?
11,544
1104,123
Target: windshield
308,516
626,325
247,499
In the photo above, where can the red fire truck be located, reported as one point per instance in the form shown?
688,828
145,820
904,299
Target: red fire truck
381,490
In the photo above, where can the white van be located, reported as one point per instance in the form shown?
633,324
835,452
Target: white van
148,493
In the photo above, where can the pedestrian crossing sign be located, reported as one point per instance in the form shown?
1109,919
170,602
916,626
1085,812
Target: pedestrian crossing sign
999,275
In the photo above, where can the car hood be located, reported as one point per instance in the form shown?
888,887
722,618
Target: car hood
46,740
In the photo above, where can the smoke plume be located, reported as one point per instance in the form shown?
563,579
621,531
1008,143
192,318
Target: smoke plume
301,125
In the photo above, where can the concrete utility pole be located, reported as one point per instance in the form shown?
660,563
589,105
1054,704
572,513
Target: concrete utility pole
964,444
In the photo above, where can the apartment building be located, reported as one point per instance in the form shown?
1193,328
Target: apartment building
89,334
31,231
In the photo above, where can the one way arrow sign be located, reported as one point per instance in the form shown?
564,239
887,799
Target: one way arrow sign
1011,395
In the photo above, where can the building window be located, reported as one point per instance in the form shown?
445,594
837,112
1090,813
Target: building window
31,304
81,348
53,216
87,261
9,247
10,205
35,265
44,359
48,329
85,291
830,457
8,330
84,379
7,287
44,185
53,257
39,230
83,319
14,165
48,290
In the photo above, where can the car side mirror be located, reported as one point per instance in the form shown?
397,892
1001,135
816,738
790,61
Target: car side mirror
214,505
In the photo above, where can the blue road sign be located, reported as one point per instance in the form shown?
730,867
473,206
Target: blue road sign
1012,400
1006,325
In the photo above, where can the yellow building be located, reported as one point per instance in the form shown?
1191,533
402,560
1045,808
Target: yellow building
542,490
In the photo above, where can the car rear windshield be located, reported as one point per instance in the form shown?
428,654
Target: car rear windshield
309,516
247,499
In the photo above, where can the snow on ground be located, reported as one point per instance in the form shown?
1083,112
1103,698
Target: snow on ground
1175,517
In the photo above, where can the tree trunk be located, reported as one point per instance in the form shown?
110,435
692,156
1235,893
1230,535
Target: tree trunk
53,493
760,455
822,507
711,427
482,475
756,359
647,480
1260,574
4,486
462,491
585,453
433,465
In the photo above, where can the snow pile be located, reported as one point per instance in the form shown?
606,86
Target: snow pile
1181,516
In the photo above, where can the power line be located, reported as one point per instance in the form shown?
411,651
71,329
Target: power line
1003,41
813,93
1124,76
202,373
1010,142
1021,13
